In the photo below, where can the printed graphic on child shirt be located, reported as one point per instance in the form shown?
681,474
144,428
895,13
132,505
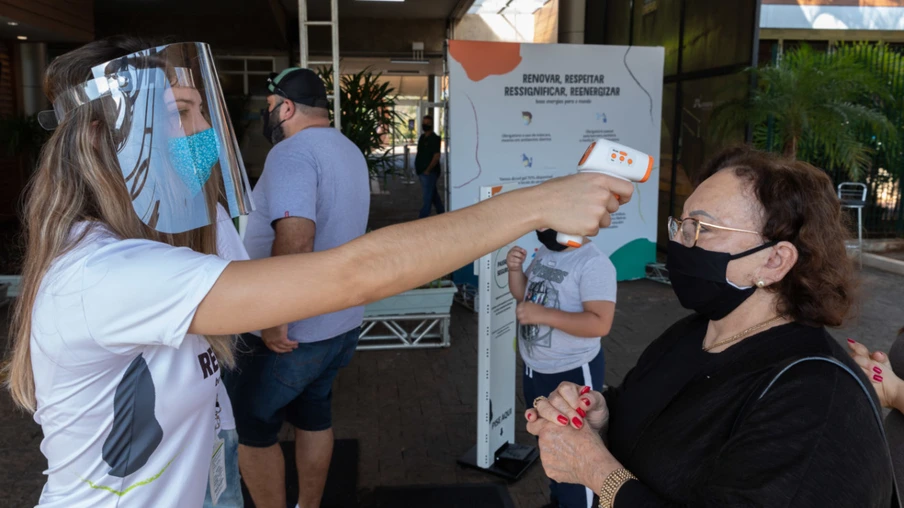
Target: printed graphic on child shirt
541,290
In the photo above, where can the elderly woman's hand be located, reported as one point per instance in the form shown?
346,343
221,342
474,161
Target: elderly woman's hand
875,365
573,456
572,404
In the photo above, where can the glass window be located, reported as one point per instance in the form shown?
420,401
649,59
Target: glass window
260,65
257,86
245,76
657,24
231,64
233,84
698,99
717,34
666,157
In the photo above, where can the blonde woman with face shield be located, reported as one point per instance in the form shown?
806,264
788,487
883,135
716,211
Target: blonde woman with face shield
126,317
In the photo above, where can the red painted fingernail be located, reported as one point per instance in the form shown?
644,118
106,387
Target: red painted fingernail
877,370
852,341
577,422
581,412
585,390
562,420
878,378
586,402
530,416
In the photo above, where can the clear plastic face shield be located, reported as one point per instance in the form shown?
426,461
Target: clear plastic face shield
174,143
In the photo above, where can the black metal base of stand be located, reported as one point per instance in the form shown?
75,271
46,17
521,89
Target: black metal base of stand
512,460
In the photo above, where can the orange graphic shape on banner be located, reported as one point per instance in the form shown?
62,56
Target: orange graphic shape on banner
482,59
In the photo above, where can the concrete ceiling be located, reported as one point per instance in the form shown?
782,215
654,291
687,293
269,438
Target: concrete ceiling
44,29
408,86
385,66
33,33
407,9
241,25
185,8
506,6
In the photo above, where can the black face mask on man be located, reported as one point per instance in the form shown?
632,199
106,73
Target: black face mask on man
427,127
700,279
273,130
548,239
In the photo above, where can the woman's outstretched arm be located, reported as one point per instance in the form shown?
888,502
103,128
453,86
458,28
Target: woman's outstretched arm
253,295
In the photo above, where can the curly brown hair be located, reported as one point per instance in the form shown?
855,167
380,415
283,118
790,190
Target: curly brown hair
800,207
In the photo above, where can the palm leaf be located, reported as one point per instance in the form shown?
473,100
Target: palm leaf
367,107
819,107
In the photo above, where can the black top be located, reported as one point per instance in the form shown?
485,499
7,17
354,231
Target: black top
894,422
812,441
428,145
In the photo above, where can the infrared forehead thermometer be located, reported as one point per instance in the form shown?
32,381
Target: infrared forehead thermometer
613,159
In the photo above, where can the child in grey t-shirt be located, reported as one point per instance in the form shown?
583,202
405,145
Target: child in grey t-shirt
566,304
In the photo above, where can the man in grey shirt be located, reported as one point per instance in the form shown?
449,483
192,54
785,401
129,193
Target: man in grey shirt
313,195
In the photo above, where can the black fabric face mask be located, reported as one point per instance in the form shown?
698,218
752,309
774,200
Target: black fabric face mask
548,239
699,279
273,130
427,128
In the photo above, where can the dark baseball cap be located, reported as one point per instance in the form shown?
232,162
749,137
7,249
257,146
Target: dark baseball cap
302,86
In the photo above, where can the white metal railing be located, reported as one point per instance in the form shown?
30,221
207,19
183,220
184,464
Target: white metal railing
333,23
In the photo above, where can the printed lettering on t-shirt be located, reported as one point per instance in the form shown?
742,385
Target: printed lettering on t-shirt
550,274
208,361
541,290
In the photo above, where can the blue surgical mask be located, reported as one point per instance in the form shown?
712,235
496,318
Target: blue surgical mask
193,158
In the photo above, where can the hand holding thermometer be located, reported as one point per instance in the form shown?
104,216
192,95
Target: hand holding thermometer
613,159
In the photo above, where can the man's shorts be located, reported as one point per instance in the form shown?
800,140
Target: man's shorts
268,388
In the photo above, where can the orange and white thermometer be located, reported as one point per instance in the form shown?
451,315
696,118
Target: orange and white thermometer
613,159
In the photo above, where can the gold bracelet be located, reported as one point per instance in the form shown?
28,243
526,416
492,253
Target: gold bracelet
613,483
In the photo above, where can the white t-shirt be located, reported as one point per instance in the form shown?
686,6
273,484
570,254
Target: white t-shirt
564,281
231,248
125,396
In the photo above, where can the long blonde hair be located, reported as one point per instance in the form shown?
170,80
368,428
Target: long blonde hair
78,179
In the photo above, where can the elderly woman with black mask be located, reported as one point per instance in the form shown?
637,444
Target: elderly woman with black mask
749,401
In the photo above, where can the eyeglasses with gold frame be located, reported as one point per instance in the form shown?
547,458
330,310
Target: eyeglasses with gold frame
690,230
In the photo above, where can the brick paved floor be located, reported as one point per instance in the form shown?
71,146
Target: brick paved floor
414,412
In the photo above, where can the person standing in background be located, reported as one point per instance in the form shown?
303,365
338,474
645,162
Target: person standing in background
427,166
313,195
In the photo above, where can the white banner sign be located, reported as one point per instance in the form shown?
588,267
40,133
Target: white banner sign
523,113
496,352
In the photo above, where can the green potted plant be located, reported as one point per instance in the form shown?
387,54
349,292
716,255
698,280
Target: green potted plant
432,298
367,113
814,107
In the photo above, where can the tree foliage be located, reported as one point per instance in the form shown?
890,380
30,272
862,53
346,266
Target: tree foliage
819,107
